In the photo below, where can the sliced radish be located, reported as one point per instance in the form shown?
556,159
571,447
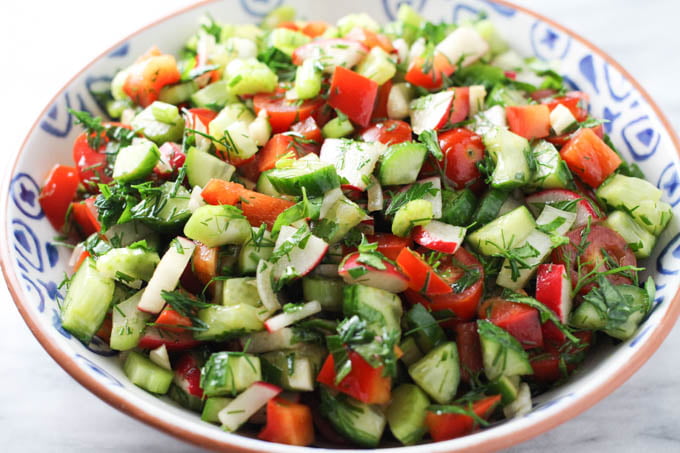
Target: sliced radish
553,289
431,111
584,210
160,357
297,261
241,408
390,279
287,318
331,53
353,160
195,200
263,279
550,214
154,338
78,250
435,199
329,199
439,236
167,274
463,42
264,341
375,196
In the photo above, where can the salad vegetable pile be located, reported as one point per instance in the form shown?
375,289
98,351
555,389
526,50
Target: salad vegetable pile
333,229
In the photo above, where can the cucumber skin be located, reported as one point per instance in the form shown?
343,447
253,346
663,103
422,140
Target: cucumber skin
401,163
153,378
227,322
489,207
228,373
83,314
423,372
406,413
343,412
212,406
429,334
380,309
316,181
512,228
327,291
458,207
215,226
202,167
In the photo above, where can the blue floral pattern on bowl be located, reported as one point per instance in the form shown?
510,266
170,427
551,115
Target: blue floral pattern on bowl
635,129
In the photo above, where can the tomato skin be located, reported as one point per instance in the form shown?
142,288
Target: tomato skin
589,157
353,94
463,304
380,108
600,237
288,423
85,215
460,107
432,79
575,101
388,244
218,191
171,321
519,320
90,163
365,383
154,338
422,277
146,78
529,121
462,149
389,132
282,112
450,426
60,188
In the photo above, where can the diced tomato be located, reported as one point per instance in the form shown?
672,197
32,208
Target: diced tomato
512,75
260,208
589,157
314,29
389,132
462,303
461,105
563,139
288,423
309,130
289,25
422,277
429,73
146,78
370,39
154,338
218,191
84,214
469,349
388,244
353,94
188,374
445,426
56,195
600,240
546,367
380,108
91,164
529,121
277,147
205,116
171,321
282,112
462,149
519,320
573,103
363,382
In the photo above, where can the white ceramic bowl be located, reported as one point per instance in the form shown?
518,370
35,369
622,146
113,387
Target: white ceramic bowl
33,266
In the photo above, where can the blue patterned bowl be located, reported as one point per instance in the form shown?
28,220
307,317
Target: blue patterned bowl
33,266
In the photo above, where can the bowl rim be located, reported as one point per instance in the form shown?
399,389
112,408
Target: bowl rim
577,405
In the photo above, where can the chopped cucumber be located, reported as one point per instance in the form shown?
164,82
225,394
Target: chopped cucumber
240,290
136,161
353,160
653,216
308,174
185,399
640,241
377,66
401,163
502,354
87,301
218,225
286,40
250,76
213,405
214,96
338,127
178,93
438,373
293,370
406,413
230,321
424,328
202,167
379,308
165,210
259,246
489,207
361,423
229,373
410,351
458,207
160,123
509,153
339,220
266,187
537,246
128,324
327,291
551,171
507,387
128,264
505,96
145,374
308,78
413,213
505,232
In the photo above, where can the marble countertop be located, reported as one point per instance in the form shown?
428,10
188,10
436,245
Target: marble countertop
43,409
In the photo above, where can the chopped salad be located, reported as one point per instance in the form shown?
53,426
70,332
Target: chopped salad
350,233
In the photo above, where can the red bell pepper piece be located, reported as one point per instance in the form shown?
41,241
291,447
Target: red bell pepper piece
421,276
56,195
469,349
259,208
380,108
288,423
309,130
172,321
84,213
283,112
218,191
353,94
589,157
461,105
444,426
521,321
363,382
529,121
429,73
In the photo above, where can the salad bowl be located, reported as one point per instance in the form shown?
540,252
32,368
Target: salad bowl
33,265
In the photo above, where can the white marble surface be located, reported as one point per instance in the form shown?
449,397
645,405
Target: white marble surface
42,409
